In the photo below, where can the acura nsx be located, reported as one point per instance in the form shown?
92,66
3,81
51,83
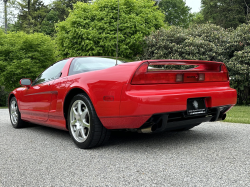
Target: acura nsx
89,96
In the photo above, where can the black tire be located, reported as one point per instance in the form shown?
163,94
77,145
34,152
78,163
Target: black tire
15,116
84,125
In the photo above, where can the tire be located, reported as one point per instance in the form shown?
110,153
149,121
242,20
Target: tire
15,116
84,125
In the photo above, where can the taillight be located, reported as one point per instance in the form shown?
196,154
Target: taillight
139,77
161,76
225,72
142,76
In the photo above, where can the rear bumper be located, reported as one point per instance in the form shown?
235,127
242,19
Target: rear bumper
164,121
139,103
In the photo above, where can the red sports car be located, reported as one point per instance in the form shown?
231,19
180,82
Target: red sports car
89,96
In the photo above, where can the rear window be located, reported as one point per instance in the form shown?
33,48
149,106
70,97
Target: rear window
86,64
170,67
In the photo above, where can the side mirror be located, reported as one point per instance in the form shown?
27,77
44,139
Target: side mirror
25,82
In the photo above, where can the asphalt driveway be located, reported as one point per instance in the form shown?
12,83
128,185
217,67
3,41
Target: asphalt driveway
212,154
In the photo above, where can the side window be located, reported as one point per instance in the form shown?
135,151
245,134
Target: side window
53,72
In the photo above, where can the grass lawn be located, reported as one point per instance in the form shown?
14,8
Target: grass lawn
238,114
1,107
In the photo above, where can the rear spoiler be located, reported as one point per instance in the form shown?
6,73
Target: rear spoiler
204,71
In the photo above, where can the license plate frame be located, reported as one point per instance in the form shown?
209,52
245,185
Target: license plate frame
196,106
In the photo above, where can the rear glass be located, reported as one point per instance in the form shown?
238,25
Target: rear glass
170,67
86,64
184,66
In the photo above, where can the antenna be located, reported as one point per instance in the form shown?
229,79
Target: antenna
117,33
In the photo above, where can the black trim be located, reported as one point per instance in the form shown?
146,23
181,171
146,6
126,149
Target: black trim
175,120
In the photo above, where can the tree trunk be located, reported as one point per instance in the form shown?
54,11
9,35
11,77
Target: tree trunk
5,15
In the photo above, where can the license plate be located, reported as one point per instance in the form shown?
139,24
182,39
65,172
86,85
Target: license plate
196,106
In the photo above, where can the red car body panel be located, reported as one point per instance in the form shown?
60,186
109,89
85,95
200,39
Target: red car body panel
118,103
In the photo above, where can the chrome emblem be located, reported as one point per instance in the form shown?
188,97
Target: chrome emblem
195,104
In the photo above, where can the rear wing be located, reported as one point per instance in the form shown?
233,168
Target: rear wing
179,71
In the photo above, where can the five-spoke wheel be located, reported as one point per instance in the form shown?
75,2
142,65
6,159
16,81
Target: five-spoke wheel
84,125
15,116
13,112
79,121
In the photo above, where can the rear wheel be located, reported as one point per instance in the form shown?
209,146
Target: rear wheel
15,116
84,125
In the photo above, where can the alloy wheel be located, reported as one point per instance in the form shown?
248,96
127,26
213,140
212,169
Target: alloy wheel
79,121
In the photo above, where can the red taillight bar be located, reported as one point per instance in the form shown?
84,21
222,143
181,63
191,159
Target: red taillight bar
143,76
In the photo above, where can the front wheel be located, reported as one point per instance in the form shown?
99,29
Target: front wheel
84,125
15,116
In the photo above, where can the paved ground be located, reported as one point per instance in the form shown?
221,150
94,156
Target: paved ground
212,154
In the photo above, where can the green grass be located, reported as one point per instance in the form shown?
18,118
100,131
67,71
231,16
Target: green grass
238,114
3,107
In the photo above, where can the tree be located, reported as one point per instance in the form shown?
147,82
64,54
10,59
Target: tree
176,12
10,11
59,11
32,13
198,18
23,55
226,13
91,29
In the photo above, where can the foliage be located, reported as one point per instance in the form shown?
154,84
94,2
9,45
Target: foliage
197,42
3,96
48,25
239,64
23,55
207,42
32,13
197,18
91,29
238,114
240,74
59,11
176,12
226,13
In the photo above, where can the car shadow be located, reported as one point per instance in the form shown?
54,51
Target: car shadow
134,140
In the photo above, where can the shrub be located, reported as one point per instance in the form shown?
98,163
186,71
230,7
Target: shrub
239,67
206,42
200,42
23,55
3,96
91,29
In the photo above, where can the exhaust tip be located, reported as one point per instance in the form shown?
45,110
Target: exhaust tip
149,129
223,116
